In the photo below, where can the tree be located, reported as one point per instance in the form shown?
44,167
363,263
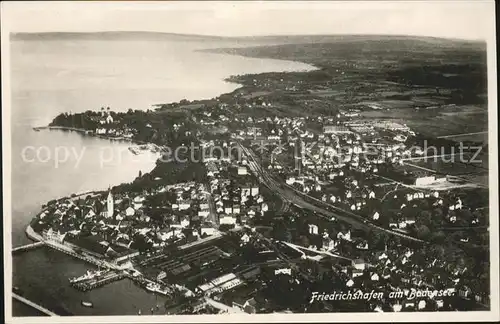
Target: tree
437,237
466,216
422,231
304,241
438,217
425,218
140,244
280,232
436,251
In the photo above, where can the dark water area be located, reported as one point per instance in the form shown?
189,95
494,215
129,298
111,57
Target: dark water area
55,293
21,309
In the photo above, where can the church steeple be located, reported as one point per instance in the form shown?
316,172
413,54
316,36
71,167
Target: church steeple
110,203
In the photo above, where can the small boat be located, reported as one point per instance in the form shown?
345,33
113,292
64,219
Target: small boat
151,287
87,304
133,150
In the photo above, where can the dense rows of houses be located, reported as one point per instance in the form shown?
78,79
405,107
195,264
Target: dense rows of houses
120,221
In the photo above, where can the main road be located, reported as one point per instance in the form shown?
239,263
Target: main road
305,201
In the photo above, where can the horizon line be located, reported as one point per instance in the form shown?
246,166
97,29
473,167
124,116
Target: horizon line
243,36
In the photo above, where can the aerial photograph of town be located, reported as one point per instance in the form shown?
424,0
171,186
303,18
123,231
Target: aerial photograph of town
173,172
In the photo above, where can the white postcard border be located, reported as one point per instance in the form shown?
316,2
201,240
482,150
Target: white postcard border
493,314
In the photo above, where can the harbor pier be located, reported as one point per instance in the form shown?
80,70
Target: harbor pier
32,304
99,281
27,247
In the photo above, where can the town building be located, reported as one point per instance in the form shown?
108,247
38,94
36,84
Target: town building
334,129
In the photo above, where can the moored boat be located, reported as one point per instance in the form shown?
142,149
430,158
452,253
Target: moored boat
152,287
87,304
86,276
133,150
163,291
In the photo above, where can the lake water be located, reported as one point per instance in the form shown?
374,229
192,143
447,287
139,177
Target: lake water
50,77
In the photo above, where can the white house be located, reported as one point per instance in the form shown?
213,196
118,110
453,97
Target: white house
345,236
245,238
359,264
208,231
287,271
203,213
138,202
184,223
130,211
227,219
184,205
313,229
264,207
397,307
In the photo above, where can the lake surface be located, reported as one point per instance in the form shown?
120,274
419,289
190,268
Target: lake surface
51,77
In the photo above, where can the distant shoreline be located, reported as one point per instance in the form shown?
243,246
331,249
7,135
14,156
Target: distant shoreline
280,38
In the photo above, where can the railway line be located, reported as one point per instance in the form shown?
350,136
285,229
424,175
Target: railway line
305,201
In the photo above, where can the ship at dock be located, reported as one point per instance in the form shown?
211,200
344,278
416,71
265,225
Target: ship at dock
87,276
156,288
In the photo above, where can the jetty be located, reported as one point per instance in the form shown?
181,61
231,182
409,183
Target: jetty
65,128
99,281
84,257
32,304
27,247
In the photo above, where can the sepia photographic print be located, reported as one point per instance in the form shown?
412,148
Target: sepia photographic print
249,161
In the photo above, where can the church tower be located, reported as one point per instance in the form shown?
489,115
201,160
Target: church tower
110,204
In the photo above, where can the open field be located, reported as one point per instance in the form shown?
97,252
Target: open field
441,167
439,121
464,167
